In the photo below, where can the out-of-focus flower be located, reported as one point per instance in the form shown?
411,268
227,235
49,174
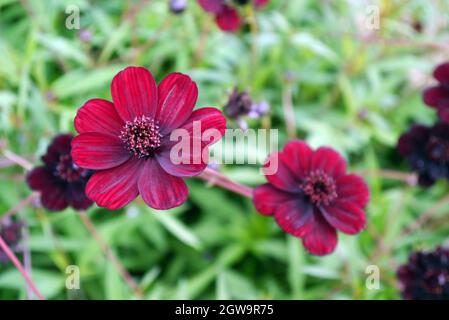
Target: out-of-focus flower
240,104
11,233
311,196
427,151
425,276
128,141
438,96
60,182
177,6
85,35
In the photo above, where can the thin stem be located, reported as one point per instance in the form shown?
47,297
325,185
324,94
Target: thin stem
21,161
110,255
20,205
214,177
19,267
27,256
289,113
407,177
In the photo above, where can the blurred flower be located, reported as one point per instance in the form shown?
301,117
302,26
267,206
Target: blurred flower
177,6
425,276
85,35
128,141
226,15
427,151
438,96
240,104
11,233
60,181
311,196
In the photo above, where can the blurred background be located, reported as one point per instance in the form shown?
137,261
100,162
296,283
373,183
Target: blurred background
350,85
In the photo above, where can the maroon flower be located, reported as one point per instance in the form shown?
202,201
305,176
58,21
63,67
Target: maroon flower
128,141
427,151
11,233
438,96
60,182
425,276
311,196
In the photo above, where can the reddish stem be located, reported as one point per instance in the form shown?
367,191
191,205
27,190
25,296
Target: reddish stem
214,177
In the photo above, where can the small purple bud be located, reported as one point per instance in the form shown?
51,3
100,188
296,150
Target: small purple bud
177,6
85,35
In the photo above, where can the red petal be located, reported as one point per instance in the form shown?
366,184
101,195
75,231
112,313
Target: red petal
184,164
53,197
115,188
297,155
266,198
441,73
98,115
352,188
443,112
228,19
177,95
134,93
281,177
213,6
322,238
206,120
436,96
260,3
328,160
295,217
98,151
346,217
39,178
159,189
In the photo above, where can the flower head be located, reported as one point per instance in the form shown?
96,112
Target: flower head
438,96
129,140
311,196
60,181
427,151
11,233
425,276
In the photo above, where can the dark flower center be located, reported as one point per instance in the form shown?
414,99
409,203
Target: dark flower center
69,171
319,187
141,137
438,149
436,280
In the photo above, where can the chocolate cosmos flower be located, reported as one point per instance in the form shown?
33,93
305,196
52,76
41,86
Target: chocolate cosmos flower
425,276
128,140
60,182
427,151
438,96
311,196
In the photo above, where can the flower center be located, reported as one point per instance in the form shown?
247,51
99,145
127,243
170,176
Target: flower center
319,187
436,280
141,137
438,150
69,171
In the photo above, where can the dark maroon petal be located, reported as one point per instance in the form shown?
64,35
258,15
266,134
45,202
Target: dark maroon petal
98,115
279,174
416,137
435,96
441,73
329,161
38,178
183,163
59,146
53,197
267,198
321,239
77,197
297,156
352,188
134,93
295,217
115,188
213,6
177,95
98,151
159,189
443,112
228,19
260,3
345,216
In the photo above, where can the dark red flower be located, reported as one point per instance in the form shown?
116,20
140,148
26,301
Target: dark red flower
425,276
311,196
438,96
128,141
11,233
427,151
60,182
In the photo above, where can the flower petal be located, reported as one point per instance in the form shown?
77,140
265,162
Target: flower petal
345,216
98,115
228,19
436,96
260,3
134,93
441,73
352,188
322,238
177,95
77,197
61,145
329,161
203,120
115,188
159,189
267,198
278,174
295,217
98,151
38,178
53,197
213,6
297,155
